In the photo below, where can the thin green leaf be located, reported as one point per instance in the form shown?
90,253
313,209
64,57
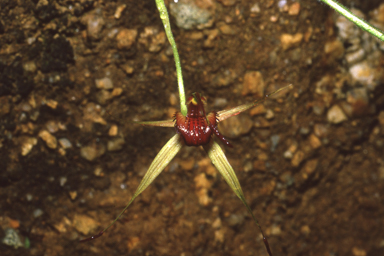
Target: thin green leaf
224,114
220,161
350,16
167,27
162,123
166,154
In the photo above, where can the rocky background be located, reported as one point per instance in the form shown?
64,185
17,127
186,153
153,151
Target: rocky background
75,74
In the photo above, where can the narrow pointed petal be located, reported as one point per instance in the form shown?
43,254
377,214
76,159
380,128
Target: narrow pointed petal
224,114
163,123
220,161
166,154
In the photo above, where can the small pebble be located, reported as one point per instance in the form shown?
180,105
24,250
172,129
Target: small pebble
334,49
363,73
310,166
275,230
314,141
220,102
255,8
173,99
73,195
65,143
275,141
152,38
49,139
187,165
320,130
126,38
248,166
336,115
294,9
52,126
84,224
27,145
356,251
289,41
115,144
228,2
189,16
104,83
62,181
29,197
52,104
95,23
12,238
29,66
253,84
92,152
228,29
258,110
236,126
298,157
235,220
269,114
103,96
116,92
37,213
119,10
113,130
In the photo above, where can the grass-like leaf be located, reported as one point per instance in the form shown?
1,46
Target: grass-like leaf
224,114
220,161
163,123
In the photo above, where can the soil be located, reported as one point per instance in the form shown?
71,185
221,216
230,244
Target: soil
315,186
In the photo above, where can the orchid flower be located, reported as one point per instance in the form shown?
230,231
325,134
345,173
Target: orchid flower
193,128
196,129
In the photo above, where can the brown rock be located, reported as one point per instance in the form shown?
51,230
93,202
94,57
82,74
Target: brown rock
235,126
202,185
294,9
298,157
95,23
49,139
152,38
188,164
258,110
289,41
104,83
335,115
253,84
126,38
92,151
334,49
314,141
84,224
228,2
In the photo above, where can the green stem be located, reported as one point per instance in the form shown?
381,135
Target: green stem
167,26
359,22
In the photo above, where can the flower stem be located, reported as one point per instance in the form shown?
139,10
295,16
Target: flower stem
167,26
350,16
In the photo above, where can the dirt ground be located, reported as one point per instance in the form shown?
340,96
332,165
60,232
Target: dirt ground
75,74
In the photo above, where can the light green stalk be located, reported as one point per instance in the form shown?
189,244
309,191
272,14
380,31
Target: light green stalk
350,16
167,26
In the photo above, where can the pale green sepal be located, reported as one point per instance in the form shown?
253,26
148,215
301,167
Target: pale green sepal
224,114
163,123
166,154
220,161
